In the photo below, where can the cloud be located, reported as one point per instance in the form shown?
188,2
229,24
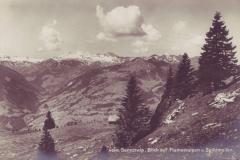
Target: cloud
191,41
152,34
150,38
179,26
106,37
127,22
184,39
50,37
121,21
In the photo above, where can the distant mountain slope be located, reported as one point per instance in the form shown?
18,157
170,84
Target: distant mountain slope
47,75
17,97
75,88
97,89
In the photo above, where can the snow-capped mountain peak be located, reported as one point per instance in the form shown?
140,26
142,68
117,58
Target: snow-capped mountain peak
91,58
166,58
20,59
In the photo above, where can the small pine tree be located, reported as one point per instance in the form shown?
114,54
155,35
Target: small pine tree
133,116
217,61
165,102
46,148
104,153
183,85
49,123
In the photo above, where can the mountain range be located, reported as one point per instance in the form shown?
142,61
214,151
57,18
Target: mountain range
75,86
84,94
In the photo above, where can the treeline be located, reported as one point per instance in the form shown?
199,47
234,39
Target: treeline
217,63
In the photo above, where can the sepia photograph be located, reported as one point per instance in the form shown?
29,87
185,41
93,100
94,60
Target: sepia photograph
119,80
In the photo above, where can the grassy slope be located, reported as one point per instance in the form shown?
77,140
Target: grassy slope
83,141
210,127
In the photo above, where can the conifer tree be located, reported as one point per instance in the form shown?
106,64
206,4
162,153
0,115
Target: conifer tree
49,123
133,116
46,148
165,102
47,143
169,84
217,61
183,81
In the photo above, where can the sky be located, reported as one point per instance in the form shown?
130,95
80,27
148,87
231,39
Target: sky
49,28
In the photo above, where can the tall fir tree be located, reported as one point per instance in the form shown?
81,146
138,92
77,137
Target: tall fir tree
46,148
169,84
49,123
184,79
133,116
217,61
165,103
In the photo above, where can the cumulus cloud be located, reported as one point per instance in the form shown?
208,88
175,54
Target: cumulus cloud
50,37
152,34
189,39
121,21
150,38
124,21
127,21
